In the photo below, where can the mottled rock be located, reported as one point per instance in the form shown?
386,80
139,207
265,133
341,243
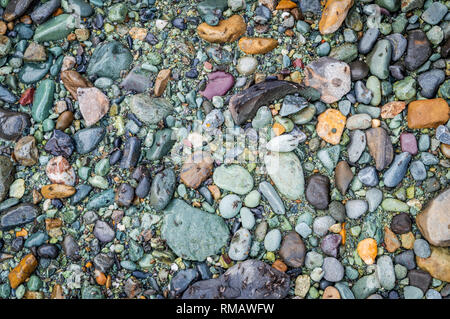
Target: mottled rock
380,147
292,250
318,191
228,30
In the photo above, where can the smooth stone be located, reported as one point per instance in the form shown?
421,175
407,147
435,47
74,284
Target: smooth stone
15,9
368,176
366,286
102,199
240,245
229,206
272,240
163,142
330,244
418,51
322,224
368,40
374,196
394,175
162,189
86,140
411,292
269,193
56,28
109,59
219,83
337,211
286,172
7,172
18,215
329,157
434,13
233,178
379,58
292,104
399,44
385,272
247,218
244,105
182,280
43,100
44,11
355,208
429,82
333,269
267,283
131,153
191,233
363,94
359,122
138,80
318,191
292,250
380,147
408,143
357,145
148,109
359,70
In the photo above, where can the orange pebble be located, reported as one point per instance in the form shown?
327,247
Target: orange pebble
286,4
88,264
279,265
100,278
278,129
343,234
22,233
367,250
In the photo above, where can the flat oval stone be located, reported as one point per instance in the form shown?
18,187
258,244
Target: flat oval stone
56,28
318,191
379,59
240,245
148,109
286,172
293,250
43,100
418,51
191,233
233,178
356,208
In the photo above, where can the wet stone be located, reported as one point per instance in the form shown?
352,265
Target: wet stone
317,191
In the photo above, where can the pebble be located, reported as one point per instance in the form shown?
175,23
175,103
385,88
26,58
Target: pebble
240,245
356,208
269,193
368,176
333,269
292,250
233,178
272,240
318,191
394,175
322,224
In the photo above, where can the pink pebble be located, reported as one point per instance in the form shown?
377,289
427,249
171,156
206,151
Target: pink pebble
408,143
219,83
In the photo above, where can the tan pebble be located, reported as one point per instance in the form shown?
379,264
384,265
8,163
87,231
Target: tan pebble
161,82
331,293
57,191
427,113
257,45
330,126
333,15
228,30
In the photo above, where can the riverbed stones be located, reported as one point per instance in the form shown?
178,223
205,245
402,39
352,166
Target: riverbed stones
427,113
286,172
87,139
270,283
330,77
380,147
357,145
333,269
333,15
228,30
43,100
56,28
15,9
219,83
434,220
270,194
437,264
191,233
162,189
330,126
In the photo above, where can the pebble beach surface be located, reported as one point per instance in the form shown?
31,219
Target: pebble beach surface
158,149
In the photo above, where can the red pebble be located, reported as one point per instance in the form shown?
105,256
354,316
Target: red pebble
27,96
298,63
